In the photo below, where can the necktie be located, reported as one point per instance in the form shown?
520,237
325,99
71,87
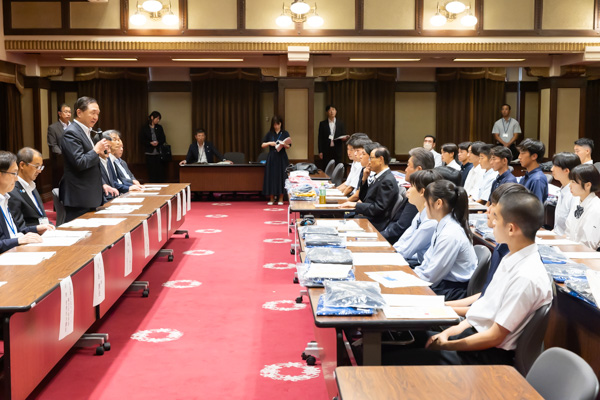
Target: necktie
370,180
112,173
578,212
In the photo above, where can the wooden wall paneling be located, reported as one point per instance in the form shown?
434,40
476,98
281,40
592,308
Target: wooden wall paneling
241,16
359,16
418,16
538,14
298,83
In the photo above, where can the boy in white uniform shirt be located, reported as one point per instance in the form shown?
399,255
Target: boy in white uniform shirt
583,222
584,148
475,176
489,175
562,165
355,142
519,287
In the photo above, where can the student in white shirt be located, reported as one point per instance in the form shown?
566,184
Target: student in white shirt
449,154
562,165
429,144
355,142
417,238
475,175
583,222
489,175
584,148
450,260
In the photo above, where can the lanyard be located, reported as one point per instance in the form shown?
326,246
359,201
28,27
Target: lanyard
279,137
9,222
37,205
506,126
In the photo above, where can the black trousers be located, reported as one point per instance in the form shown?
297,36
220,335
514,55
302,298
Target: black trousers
156,168
451,290
73,212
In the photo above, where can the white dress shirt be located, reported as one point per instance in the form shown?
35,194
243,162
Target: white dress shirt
473,181
417,238
331,128
454,165
29,190
201,154
116,162
65,126
354,175
589,162
485,189
86,130
519,287
566,201
8,220
437,158
104,164
585,229
506,129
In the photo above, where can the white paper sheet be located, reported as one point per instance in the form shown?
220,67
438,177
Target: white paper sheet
593,278
330,271
145,194
357,234
152,189
396,279
146,239
588,255
67,308
332,206
333,192
99,280
156,185
378,259
128,200
555,242
64,234
128,255
413,300
92,222
2,283
420,312
343,225
25,257
120,209
189,198
178,207
545,234
169,213
367,243
55,242
159,220
183,202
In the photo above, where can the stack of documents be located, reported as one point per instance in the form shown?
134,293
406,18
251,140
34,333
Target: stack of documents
128,200
408,306
378,259
328,271
396,279
60,238
92,222
358,234
25,257
120,209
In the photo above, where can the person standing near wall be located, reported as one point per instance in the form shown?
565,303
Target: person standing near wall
153,137
277,160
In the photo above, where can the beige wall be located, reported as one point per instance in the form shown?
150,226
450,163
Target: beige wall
176,111
44,122
35,14
96,15
267,104
338,14
545,117
532,108
296,122
70,99
27,113
211,14
567,118
511,99
415,117
574,14
389,14
508,14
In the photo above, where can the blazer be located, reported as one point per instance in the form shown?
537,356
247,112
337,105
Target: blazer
110,181
6,242
380,200
210,151
55,134
146,137
125,180
22,208
324,132
81,184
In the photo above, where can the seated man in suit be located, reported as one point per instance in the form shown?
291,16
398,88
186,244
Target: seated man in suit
116,152
383,191
201,151
25,204
110,181
10,234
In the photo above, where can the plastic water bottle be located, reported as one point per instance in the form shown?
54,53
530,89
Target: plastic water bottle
322,192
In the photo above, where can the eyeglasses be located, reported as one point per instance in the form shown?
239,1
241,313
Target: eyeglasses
38,167
15,174
374,158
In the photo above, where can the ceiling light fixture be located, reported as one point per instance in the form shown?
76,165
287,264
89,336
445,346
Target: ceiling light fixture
156,10
489,59
384,59
208,59
451,11
99,59
299,12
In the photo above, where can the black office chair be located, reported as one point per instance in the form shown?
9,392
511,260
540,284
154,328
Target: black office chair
401,197
262,156
329,168
597,165
531,342
338,174
484,258
59,207
235,157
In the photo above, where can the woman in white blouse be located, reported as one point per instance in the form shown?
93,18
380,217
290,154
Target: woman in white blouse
583,222
562,165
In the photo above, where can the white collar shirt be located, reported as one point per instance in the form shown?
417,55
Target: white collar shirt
65,126
331,128
454,165
566,201
489,176
506,129
473,181
86,130
353,176
586,228
201,153
437,158
29,190
8,220
589,162
417,238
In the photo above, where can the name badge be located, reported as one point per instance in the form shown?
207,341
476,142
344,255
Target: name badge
43,221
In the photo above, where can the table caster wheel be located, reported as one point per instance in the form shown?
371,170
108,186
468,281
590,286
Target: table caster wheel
99,350
187,236
170,258
299,299
145,292
106,346
304,356
292,251
311,360
296,280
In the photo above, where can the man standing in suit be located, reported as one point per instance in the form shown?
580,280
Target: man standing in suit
332,134
55,134
201,151
382,194
81,186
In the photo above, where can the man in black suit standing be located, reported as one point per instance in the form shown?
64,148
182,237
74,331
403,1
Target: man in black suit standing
81,186
332,134
201,151
55,134
382,194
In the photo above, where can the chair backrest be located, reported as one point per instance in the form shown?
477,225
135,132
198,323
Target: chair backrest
329,168
338,174
530,343
562,374
484,258
597,165
262,156
59,207
549,178
235,157
401,197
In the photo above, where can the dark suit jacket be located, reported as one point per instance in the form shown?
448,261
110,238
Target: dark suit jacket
210,151
125,180
400,222
6,243
380,200
22,208
464,171
362,186
146,137
81,185
107,180
55,134
324,132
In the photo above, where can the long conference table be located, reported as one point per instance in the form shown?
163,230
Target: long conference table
30,300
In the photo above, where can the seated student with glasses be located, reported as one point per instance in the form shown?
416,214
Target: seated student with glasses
10,234
583,222
25,203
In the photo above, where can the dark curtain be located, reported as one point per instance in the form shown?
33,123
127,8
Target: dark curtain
124,107
11,128
592,113
229,111
366,106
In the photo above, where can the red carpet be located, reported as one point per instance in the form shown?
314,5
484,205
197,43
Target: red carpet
222,336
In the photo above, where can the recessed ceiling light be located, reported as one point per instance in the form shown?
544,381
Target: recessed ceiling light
385,59
208,59
489,59
98,59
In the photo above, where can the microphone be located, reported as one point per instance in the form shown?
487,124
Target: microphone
98,137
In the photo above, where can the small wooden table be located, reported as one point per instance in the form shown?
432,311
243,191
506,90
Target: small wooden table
433,382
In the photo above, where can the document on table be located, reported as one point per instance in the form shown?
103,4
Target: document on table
341,225
396,279
146,239
67,308
555,242
57,233
333,192
593,278
55,242
588,255
155,185
128,254
356,234
152,189
420,312
413,300
545,234
189,198
25,257
183,202
378,259
99,280
159,220
365,243
168,216
2,283
328,271
120,209
145,194
128,200
178,207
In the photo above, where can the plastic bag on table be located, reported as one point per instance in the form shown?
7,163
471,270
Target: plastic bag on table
316,229
312,240
360,294
475,218
581,289
551,255
562,272
327,255
303,268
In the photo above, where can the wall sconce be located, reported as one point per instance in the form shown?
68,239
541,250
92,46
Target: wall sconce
156,11
451,11
299,12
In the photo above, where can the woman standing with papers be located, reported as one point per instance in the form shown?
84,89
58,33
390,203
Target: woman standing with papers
277,140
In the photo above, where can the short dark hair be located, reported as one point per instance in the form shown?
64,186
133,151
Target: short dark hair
450,174
62,106
154,114
586,173
360,143
6,160
328,106
475,146
111,131
26,155
585,142
83,103
502,152
382,151
509,187
485,149
566,160
420,179
369,147
355,138
450,148
431,136
422,158
200,130
507,105
463,146
524,210
533,147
